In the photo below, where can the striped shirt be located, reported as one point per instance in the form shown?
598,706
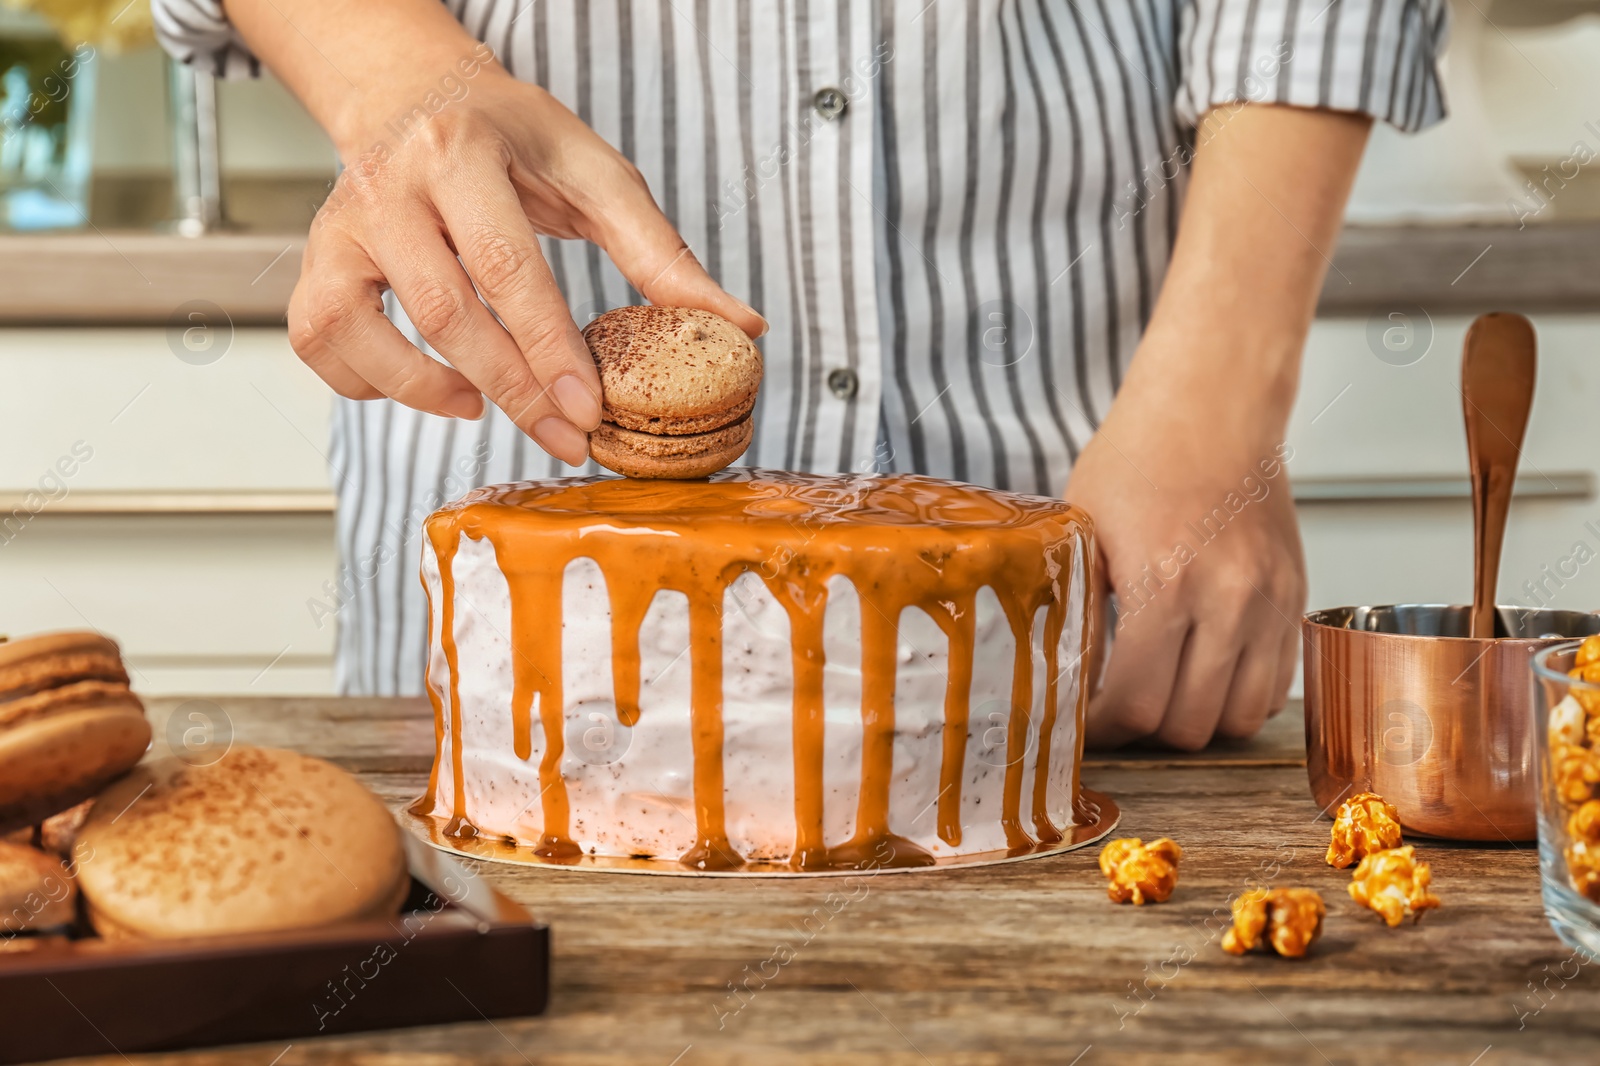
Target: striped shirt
956,217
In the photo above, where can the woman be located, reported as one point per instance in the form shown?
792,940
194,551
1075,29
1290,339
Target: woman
1043,245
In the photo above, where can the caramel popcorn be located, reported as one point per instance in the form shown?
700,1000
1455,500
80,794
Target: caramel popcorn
1366,823
1574,771
1586,667
1583,864
1290,917
1249,921
1394,884
1584,824
1138,871
1588,652
1583,854
1590,701
1567,726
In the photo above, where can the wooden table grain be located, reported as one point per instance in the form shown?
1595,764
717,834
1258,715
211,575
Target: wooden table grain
1026,962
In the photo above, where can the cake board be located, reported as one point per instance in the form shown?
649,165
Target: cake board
1100,810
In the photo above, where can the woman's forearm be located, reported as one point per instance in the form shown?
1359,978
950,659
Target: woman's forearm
360,66
1204,407
1265,202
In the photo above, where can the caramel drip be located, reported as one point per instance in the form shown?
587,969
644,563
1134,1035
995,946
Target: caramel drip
960,630
1021,618
902,542
1090,648
536,674
444,547
873,843
806,603
425,805
627,617
1043,827
711,850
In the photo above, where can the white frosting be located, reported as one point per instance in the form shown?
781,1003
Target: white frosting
630,790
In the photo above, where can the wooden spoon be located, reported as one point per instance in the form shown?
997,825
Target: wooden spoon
1497,372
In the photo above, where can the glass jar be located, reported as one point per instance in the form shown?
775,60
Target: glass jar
1568,721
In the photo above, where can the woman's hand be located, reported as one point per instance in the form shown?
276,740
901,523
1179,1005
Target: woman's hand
453,170
1198,538
1184,479
454,213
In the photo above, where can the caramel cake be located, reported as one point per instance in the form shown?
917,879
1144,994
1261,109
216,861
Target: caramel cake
759,671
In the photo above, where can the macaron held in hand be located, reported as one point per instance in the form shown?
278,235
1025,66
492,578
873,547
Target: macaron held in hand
679,385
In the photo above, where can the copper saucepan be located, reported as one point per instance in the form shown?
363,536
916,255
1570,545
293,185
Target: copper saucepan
1401,701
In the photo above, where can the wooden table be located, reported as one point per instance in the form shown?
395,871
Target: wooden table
1017,963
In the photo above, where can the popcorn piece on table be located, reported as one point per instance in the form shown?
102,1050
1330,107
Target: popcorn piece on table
1366,823
1138,871
1394,884
1291,918
1574,772
1249,921
1583,854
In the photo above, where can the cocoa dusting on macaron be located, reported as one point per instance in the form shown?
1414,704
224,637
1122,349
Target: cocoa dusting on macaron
679,385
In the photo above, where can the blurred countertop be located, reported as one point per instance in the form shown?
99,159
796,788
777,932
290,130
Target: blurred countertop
104,276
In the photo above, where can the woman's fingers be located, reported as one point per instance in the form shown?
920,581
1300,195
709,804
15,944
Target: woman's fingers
1288,658
653,257
1250,696
451,225
501,254
442,303
1205,673
337,326
1132,703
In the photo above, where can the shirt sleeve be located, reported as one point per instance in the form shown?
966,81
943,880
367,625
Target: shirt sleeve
198,32
1375,57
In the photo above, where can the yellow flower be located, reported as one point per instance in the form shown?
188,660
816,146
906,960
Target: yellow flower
112,25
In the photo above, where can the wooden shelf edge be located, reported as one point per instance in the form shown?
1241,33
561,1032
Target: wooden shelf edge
90,502
1464,269
108,278
142,278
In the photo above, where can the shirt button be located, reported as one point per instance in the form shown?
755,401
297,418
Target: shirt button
843,383
830,103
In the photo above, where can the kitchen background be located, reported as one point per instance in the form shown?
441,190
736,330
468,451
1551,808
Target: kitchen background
196,521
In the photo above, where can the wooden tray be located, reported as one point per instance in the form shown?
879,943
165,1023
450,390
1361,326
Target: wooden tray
458,951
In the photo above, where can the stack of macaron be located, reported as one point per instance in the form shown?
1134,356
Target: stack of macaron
258,840
679,385
37,894
69,726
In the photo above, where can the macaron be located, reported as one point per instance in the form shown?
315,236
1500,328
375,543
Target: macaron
36,891
678,387
259,841
69,724
59,832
